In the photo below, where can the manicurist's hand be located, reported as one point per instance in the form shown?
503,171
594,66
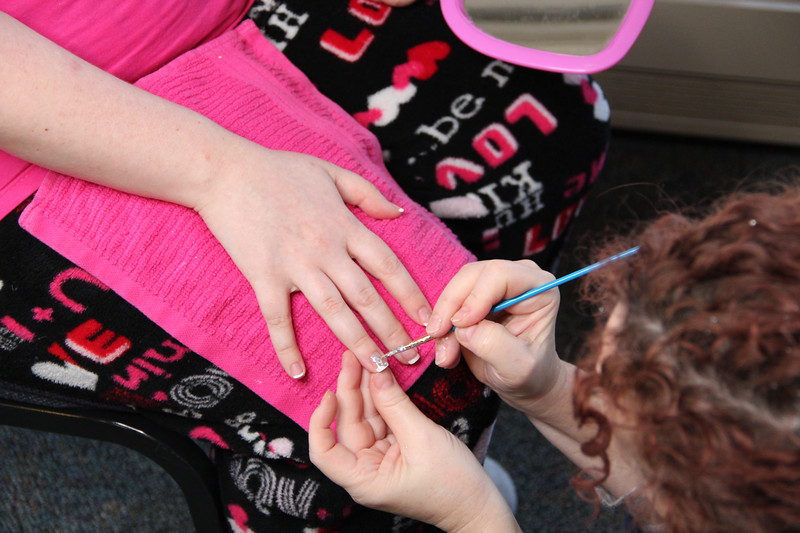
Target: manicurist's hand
391,457
281,216
512,352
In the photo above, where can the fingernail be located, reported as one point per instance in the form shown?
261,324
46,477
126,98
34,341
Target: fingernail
412,361
424,315
440,351
433,324
458,317
297,371
383,381
380,361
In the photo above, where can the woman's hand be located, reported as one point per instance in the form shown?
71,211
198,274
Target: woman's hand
282,218
514,352
391,457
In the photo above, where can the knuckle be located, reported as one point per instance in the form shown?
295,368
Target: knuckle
333,305
285,353
397,332
367,297
395,335
277,319
390,265
363,344
496,267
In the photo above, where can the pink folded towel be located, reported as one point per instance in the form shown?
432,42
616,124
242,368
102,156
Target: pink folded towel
162,258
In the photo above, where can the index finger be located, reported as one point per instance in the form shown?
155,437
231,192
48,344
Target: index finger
480,286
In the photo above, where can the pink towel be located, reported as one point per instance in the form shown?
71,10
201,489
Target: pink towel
162,258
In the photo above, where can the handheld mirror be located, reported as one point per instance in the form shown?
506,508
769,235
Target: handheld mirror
571,36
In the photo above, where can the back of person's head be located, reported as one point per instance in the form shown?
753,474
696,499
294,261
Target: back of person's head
706,364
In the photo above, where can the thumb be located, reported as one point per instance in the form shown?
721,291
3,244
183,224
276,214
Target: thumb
493,344
395,407
359,192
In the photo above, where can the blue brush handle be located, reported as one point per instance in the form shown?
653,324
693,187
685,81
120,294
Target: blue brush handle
563,279
560,281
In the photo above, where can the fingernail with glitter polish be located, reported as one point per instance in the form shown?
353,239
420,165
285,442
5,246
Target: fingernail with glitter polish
380,361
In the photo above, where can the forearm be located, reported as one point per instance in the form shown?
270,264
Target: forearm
62,113
554,418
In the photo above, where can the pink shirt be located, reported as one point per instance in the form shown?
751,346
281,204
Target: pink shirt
128,38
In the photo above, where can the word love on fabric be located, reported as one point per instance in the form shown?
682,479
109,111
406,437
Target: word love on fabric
350,49
495,143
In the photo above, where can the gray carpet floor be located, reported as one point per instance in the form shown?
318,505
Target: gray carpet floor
68,484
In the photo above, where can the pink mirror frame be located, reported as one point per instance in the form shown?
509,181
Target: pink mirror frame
456,17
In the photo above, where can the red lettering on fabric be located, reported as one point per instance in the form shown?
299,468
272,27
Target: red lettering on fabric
563,220
135,376
575,185
597,166
528,106
369,11
590,93
450,168
179,352
350,50
491,239
61,353
95,343
68,373
533,244
56,290
495,144
17,329
150,367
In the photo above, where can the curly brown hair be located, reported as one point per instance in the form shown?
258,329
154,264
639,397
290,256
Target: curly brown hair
706,365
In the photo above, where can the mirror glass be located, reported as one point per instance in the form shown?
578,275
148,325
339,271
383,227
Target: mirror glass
575,27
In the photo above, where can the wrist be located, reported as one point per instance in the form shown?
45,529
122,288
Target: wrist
218,170
490,513
545,392
552,404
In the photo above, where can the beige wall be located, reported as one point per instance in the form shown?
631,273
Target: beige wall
716,68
